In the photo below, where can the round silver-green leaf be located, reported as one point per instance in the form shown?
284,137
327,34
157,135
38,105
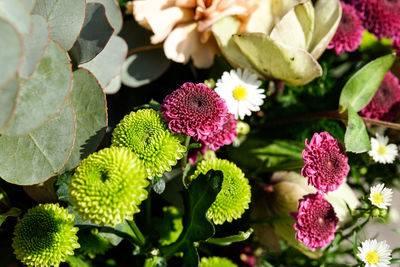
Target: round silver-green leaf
113,13
8,98
17,13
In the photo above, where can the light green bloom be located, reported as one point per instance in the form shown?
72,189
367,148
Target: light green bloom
108,186
216,262
45,236
235,194
146,134
92,243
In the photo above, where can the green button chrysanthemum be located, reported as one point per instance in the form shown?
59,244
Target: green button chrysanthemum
108,186
216,262
92,243
146,134
45,236
235,194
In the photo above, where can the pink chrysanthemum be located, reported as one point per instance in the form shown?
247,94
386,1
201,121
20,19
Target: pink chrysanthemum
380,17
316,221
225,136
385,105
194,110
325,162
349,33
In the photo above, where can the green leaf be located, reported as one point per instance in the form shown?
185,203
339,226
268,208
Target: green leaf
355,241
17,14
155,262
42,95
226,241
13,212
113,13
108,64
29,4
40,154
34,46
61,186
89,103
356,137
78,261
201,193
95,34
65,19
8,100
10,52
361,87
277,60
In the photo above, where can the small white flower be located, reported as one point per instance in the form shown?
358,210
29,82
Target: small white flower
375,254
382,152
381,196
240,91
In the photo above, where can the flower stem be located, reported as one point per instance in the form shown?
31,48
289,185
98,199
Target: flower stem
144,48
185,164
136,231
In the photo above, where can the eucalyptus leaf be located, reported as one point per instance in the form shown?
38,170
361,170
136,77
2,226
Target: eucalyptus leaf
158,184
42,95
113,13
29,4
114,85
8,98
40,154
10,52
361,87
65,19
356,137
34,46
17,13
278,60
89,103
201,193
95,34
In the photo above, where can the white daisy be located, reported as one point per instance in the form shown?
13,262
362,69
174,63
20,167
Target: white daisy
381,196
375,254
240,91
381,151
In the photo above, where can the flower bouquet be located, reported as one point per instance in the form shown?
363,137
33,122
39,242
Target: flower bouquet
199,133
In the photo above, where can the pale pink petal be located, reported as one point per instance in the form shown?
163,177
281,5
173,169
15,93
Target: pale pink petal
186,3
203,56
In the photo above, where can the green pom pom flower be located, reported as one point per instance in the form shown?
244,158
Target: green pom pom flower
235,194
216,262
45,236
108,186
146,134
92,243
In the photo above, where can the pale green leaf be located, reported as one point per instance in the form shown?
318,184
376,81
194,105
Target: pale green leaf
38,155
8,98
34,46
43,93
10,52
277,60
89,103
227,240
95,34
17,13
113,13
13,212
29,4
114,85
64,17
356,138
361,87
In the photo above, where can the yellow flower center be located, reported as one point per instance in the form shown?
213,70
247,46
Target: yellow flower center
239,93
381,150
377,198
372,257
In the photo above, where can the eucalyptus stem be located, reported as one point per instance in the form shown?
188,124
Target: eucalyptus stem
140,238
144,48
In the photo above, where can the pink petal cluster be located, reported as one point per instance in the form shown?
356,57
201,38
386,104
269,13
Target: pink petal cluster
349,33
385,105
316,221
193,154
325,162
194,110
225,136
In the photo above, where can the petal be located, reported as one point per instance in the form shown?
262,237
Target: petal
203,56
181,42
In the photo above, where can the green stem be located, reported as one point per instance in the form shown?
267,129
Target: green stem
136,231
185,164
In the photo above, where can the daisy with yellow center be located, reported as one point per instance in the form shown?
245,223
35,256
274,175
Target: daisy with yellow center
381,151
381,196
374,253
240,90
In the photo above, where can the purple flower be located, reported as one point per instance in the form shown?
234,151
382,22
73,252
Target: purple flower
349,33
194,110
316,221
325,162
225,136
385,104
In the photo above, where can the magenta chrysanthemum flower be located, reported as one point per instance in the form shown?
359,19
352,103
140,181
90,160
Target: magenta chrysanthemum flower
385,105
380,17
194,110
225,136
325,162
316,221
349,33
